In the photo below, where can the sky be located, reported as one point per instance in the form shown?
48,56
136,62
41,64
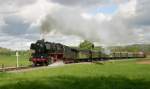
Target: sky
104,22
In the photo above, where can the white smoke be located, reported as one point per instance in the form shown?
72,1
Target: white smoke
102,28
58,63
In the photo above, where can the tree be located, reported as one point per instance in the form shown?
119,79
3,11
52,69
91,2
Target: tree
86,45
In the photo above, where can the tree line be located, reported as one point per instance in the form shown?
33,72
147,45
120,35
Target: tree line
87,45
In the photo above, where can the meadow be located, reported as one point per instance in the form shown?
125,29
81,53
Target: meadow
10,60
127,74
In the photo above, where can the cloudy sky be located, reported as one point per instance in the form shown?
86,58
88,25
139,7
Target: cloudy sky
105,22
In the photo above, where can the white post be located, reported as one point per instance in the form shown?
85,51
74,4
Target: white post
17,55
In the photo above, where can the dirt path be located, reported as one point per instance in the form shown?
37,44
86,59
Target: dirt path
55,65
144,62
31,69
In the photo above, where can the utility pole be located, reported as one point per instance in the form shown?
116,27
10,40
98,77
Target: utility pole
17,58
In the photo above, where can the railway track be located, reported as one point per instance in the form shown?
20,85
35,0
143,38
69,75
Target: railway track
37,67
25,68
15,68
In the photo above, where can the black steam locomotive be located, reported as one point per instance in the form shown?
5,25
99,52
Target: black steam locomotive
45,53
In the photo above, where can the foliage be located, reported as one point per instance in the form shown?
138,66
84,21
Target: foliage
86,45
4,51
132,48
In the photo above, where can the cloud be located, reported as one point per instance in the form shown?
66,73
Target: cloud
17,2
71,21
14,25
13,6
81,2
15,43
142,11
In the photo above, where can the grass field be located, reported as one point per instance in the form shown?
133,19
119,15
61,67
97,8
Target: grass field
10,60
110,75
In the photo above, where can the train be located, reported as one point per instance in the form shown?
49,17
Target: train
45,53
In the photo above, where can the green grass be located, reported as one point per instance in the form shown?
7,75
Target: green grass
10,60
110,75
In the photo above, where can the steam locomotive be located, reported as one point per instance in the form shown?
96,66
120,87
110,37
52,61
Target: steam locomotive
45,53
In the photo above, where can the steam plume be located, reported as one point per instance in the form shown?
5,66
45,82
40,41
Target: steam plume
71,22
